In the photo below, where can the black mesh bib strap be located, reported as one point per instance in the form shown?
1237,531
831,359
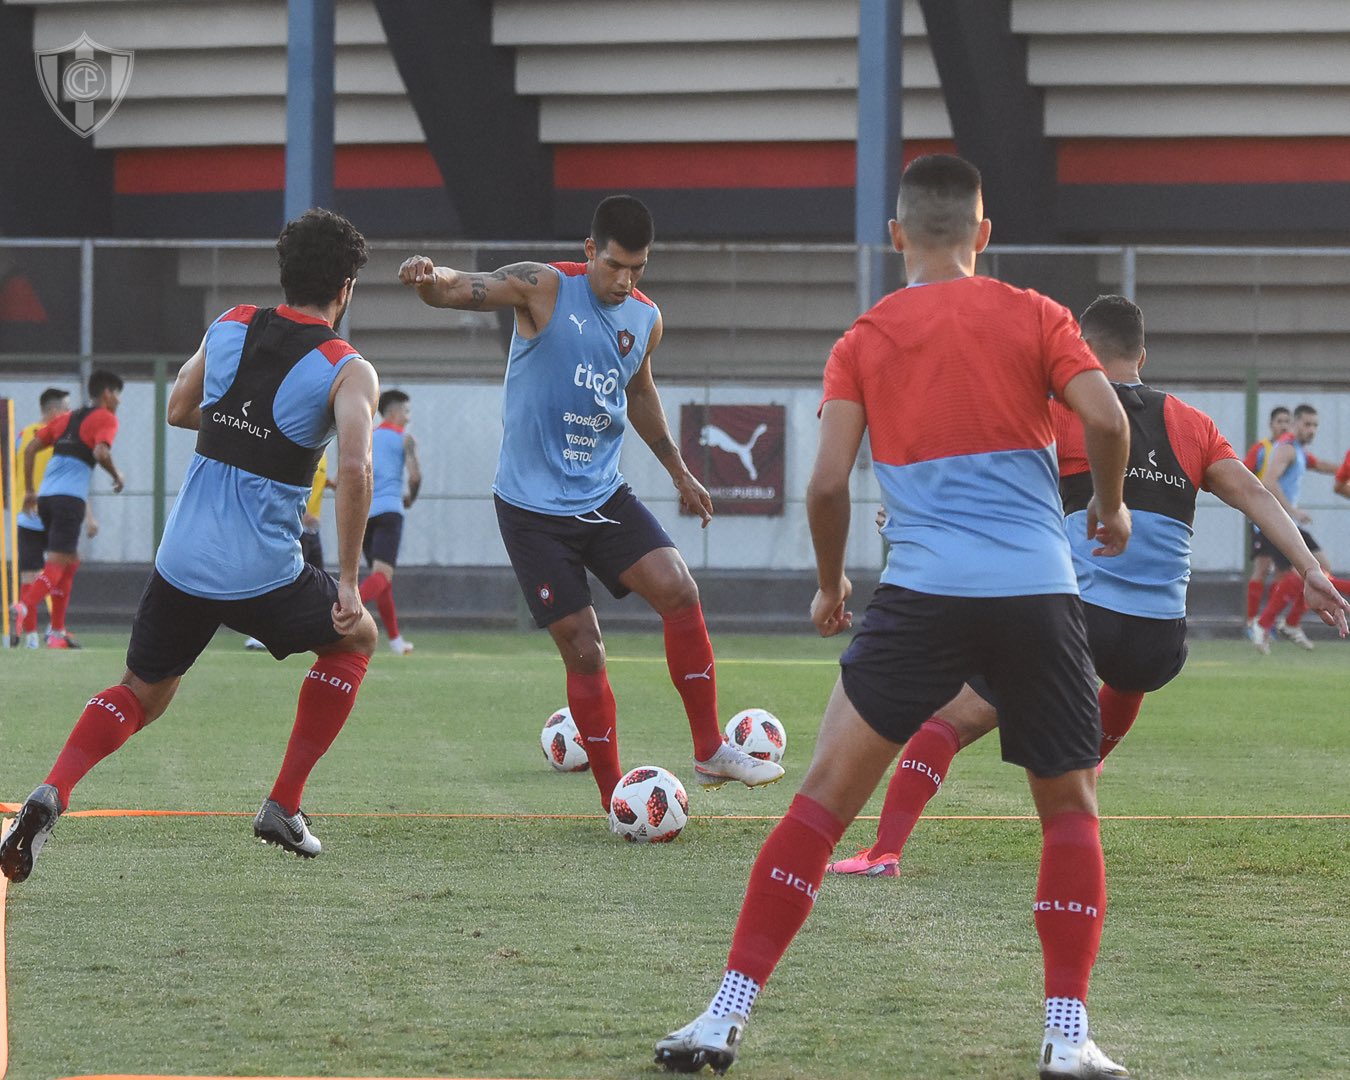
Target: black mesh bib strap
69,443
1154,478
239,428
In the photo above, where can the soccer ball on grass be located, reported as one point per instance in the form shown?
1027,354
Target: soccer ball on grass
648,806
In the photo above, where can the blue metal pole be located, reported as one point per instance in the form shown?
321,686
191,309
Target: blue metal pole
880,149
309,106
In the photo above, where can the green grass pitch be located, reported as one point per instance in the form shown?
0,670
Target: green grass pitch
511,946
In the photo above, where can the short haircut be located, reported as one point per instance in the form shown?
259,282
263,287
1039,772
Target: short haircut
52,393
103,380
625,220
317,253
1114,326
939,194
1304,410
1279,409
390,398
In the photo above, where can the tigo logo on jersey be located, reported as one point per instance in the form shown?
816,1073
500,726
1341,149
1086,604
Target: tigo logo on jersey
626,341
601,385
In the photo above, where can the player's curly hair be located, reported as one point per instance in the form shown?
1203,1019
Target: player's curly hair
317,253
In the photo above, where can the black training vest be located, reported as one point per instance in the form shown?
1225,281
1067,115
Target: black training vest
69,443
239,429
1154,478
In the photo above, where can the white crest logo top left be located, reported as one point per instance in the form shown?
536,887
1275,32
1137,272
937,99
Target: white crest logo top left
84,82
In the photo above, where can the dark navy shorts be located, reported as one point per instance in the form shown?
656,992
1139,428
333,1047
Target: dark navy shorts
172,627
32,549
384,533
551,554
63,518
1261,545
1133,653
915,650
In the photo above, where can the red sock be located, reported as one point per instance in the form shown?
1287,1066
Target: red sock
1255,590
61,598
596,716
689,657
1119,710
1282,594
326,699
43,585
1070,902
109,719
784,883
375,584
918,777
379,588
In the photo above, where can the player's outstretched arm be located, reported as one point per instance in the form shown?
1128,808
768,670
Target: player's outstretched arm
828,508
355,394
1234,483
185,399
1106,436
648,419
529,287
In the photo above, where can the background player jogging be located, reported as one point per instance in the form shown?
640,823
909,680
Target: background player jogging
265,391
79,440
578,373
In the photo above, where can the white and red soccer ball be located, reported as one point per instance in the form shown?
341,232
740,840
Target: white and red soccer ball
759,733
563,748
648,806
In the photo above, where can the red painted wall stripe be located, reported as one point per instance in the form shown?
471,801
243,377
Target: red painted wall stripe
187,170
1204,161
715,165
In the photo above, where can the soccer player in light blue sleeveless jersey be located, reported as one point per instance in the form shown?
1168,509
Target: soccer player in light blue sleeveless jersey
578,374
393,452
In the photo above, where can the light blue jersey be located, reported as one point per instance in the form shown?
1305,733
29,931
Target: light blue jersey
1291,480
234,533
386,455
565,406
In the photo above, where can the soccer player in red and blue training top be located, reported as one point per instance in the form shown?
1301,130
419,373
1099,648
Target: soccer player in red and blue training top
951,377
393,451
265,392
1283,477
1135,604
579,372
1257,458
79,440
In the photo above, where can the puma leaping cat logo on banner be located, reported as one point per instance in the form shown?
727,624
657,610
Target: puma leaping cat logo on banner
580,322
706,673
712,435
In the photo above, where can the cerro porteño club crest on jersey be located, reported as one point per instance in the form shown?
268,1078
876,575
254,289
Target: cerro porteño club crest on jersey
625,342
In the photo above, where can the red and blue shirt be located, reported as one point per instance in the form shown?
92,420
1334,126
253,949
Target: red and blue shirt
955,379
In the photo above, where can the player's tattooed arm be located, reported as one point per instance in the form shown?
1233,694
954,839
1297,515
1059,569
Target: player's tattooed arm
470,290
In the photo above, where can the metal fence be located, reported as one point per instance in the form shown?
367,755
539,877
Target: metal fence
1235,330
